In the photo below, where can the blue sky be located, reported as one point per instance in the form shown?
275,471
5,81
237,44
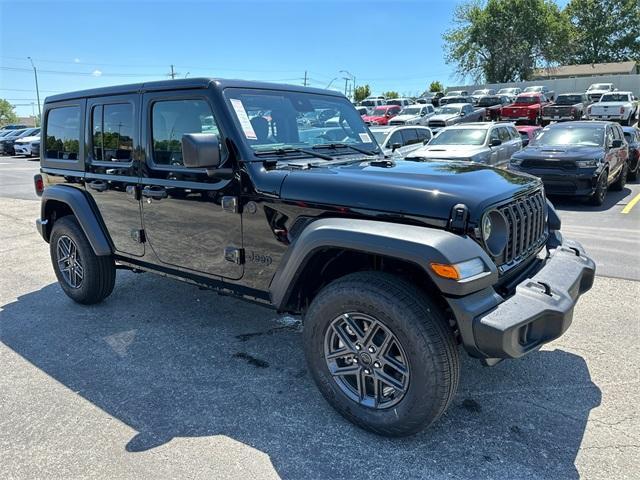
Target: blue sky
388,44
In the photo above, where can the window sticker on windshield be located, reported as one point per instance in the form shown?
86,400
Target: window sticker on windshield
365,138
243,118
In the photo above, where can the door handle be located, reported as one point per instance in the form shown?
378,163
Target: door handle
156,193
98,185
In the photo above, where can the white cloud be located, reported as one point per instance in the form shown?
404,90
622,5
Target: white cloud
96,73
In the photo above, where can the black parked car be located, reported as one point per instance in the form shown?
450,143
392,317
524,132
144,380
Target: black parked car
492,104
577,158
390,263
632,136
568,106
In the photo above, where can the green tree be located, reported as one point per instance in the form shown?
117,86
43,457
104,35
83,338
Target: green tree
603,30
7,113
436,86
391,94
361,92
505,40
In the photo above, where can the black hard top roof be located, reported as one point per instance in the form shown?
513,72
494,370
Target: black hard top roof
185,83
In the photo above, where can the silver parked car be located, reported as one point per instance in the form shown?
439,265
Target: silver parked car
400,141
490,143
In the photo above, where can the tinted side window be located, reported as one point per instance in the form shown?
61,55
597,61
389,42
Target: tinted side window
63,133
503,134
396,137
410,136
112,132
173,118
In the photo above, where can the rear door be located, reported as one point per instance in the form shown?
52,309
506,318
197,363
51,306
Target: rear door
112,165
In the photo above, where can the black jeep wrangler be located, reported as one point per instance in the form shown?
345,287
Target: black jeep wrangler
391,263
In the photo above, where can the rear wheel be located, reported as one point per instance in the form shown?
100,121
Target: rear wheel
381,353
85,277
621,181
633,174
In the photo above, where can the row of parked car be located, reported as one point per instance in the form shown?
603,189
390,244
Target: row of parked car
19,140
535,105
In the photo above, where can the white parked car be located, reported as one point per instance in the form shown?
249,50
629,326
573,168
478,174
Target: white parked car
596,90
550,94
454,113
23,145
617,106
456,93
510,91
490,143
402,102
400,141
414,115
373,102
477,94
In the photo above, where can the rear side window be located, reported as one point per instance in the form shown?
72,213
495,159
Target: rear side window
171,120
112,132
503,133
423,134
63,133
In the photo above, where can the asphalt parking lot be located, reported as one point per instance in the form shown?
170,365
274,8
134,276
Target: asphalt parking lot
164,380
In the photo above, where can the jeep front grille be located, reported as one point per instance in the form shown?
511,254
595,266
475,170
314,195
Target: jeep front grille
526,226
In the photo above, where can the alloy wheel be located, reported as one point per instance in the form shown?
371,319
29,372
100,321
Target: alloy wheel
69,262
366,360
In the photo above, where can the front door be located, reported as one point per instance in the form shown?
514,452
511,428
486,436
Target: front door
184,222
112,135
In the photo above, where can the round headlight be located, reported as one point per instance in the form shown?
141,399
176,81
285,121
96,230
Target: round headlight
494,232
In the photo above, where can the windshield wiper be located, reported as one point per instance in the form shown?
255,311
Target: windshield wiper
343,145
284,151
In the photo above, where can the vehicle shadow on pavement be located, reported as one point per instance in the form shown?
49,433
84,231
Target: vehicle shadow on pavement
582,205
172,361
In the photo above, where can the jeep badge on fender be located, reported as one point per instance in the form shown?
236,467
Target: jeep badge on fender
248,188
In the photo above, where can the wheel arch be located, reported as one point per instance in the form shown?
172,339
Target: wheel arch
59,201
333,247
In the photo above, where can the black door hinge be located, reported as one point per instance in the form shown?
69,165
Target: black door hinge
230,204
138,236
234,255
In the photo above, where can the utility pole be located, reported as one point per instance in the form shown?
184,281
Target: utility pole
173,73
346,84
305,78
35,74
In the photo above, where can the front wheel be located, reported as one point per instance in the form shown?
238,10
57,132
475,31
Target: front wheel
600,193
381,353
621,181
85,277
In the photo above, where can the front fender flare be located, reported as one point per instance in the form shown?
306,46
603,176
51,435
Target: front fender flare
415,244
80,205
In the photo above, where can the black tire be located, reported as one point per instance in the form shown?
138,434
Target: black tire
421,330
597,198
621,181
632,175
98,272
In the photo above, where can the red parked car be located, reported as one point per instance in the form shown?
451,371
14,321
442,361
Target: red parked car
382,114
526,108
527,133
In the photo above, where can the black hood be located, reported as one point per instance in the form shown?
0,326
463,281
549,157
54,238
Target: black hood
424,189
569,152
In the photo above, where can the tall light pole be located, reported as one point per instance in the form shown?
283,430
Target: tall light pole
35,74
353,81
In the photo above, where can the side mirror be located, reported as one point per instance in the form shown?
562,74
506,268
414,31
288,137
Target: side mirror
495,142
426,141
616,143
395,146
462,114
200,150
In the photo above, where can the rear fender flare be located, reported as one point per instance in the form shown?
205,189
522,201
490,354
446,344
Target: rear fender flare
82,209
419,245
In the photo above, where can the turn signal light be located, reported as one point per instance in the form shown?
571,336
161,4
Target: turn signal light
445,271
459,271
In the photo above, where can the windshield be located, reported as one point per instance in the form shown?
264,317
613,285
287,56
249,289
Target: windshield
460,136
527,100
614,97
585,136
568,99
533,89
479,92
379,112
450,110
454,93
488,101
368,103
277,119
507,90
599,86
411,111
